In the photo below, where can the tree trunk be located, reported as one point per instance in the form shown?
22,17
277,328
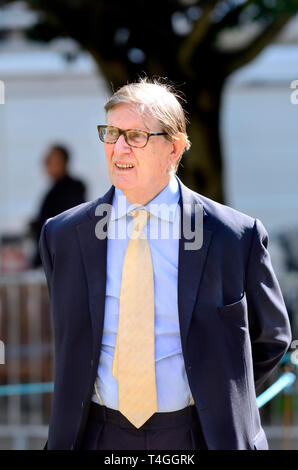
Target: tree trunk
201,168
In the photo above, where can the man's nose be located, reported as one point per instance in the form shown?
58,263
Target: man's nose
121,145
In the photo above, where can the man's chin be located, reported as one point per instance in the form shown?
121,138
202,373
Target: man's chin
123,186
123,182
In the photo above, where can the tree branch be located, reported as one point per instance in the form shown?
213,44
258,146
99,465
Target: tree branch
251,51
230,18
200,30
206,30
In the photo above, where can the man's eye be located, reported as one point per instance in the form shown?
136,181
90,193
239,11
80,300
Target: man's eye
112,132
136,135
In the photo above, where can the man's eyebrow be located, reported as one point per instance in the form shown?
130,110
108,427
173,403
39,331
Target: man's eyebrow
130,128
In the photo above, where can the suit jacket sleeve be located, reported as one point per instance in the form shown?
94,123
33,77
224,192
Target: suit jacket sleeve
45,256
268,319
47,265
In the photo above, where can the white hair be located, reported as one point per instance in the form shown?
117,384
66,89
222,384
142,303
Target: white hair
160,100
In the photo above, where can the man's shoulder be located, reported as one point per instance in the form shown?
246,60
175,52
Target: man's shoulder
230,225
68,219
76,215
222,215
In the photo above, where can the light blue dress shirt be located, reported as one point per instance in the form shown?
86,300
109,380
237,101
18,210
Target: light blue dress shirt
162,231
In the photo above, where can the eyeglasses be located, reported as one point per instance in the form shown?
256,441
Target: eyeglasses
133,137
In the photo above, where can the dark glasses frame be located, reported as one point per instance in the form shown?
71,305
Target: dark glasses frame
121,131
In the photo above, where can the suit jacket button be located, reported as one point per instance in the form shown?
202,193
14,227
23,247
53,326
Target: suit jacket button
82,404
91,363
71,447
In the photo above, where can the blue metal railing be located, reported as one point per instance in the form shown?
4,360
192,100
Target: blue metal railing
25,389
285,380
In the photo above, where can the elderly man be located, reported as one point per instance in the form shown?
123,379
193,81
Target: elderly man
167,313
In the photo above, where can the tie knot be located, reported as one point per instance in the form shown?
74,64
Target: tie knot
140,217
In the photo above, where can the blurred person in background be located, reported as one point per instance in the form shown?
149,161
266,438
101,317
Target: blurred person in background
64,193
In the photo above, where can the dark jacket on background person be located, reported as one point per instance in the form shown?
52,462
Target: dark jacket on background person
65,193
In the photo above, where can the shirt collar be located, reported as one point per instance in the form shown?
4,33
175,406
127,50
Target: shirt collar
169,196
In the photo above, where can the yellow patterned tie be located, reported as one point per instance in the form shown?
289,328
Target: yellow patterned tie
134,364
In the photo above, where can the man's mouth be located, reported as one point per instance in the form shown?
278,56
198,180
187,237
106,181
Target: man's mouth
124,166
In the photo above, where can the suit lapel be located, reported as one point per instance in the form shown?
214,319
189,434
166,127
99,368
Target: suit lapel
191,262
94,254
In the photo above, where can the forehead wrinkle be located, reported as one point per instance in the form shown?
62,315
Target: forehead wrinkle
139,111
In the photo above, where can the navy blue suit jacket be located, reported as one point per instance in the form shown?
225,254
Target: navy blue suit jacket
233,321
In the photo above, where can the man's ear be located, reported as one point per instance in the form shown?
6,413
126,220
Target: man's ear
178,145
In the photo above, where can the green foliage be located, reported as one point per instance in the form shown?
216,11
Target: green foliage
178,39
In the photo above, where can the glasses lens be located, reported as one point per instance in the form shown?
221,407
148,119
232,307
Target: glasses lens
136,138
108,134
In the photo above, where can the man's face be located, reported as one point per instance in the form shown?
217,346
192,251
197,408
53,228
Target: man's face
149,174
55,164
